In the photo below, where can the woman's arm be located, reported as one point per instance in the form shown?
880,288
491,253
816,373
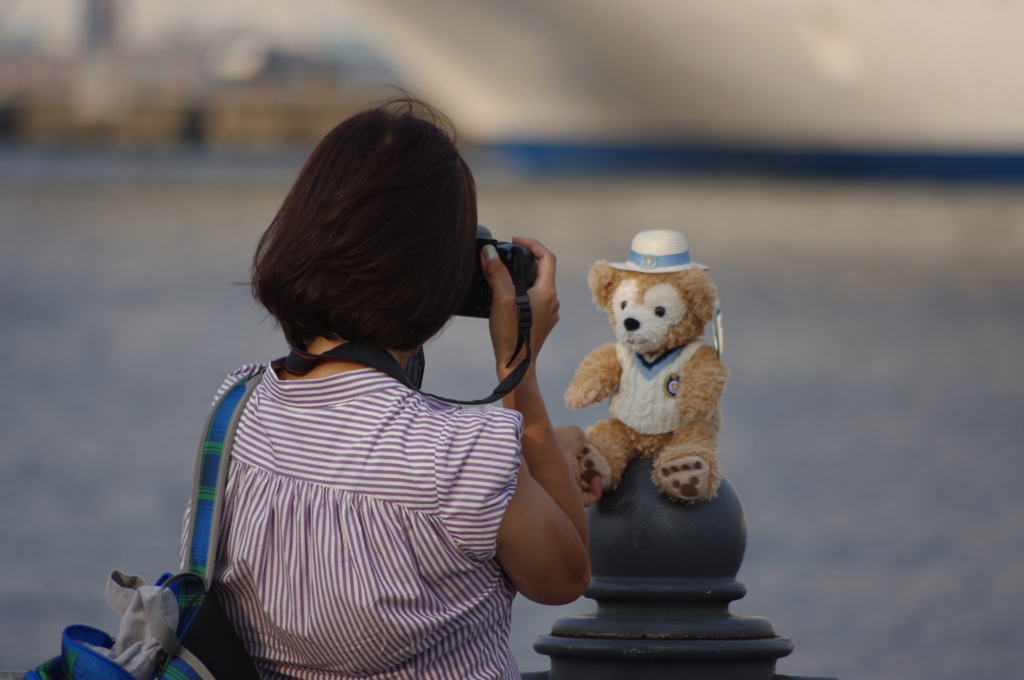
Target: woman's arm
542,540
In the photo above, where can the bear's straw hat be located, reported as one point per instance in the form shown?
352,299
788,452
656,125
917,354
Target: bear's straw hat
658,252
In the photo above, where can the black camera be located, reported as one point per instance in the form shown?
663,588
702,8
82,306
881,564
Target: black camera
519,260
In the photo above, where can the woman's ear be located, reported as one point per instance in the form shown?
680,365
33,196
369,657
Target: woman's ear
603,281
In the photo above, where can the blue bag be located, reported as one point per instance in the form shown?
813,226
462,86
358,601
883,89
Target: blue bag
203,645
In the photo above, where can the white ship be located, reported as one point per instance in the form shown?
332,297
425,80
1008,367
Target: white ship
939,76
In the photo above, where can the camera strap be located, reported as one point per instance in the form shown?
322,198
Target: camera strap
301,362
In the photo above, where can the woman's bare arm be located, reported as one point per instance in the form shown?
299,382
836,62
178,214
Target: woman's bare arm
542,540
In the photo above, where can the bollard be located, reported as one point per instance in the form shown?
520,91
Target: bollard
664,574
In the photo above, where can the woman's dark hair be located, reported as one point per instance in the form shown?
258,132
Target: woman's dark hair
375,241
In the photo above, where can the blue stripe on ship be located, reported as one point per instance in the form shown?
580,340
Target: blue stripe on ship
595,159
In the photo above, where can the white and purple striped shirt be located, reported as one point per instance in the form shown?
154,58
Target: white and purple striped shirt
359,531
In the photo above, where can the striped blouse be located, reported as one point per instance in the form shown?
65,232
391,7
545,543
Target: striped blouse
359,531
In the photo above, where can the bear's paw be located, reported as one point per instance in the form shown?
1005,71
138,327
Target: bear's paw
686,479
593,464
579,396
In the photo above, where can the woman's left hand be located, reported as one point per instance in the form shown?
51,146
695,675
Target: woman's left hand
504,319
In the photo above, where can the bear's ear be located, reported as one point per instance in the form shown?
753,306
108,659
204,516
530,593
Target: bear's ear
700,293
603,281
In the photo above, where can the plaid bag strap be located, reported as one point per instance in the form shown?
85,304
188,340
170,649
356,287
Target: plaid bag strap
211,476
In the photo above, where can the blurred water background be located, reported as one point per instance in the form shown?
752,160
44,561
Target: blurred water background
874,329
873,417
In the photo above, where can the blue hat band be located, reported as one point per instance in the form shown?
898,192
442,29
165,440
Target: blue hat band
655,261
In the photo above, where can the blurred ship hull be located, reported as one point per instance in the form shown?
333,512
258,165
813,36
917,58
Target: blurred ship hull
914,76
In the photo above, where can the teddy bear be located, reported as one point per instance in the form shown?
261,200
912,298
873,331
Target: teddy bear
664,381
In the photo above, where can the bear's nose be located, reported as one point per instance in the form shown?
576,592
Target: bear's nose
631,324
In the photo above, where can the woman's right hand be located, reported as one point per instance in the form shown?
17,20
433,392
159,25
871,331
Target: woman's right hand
504,318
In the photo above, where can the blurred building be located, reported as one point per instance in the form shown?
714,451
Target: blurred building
233,85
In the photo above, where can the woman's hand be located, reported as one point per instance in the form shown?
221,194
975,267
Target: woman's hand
504,319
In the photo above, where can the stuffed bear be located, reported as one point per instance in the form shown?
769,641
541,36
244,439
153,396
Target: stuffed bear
664,381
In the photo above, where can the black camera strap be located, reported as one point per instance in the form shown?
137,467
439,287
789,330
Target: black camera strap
301,362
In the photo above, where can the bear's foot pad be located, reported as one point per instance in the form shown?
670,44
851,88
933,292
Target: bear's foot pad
593,464
687,479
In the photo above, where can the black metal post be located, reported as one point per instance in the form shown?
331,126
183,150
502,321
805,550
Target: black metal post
664,574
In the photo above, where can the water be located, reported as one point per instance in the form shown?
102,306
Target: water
874,418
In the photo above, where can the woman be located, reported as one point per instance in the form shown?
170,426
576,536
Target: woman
369,530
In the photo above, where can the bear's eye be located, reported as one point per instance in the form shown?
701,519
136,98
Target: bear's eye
659,311
623,305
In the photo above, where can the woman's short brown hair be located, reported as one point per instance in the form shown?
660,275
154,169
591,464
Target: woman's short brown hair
375,241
